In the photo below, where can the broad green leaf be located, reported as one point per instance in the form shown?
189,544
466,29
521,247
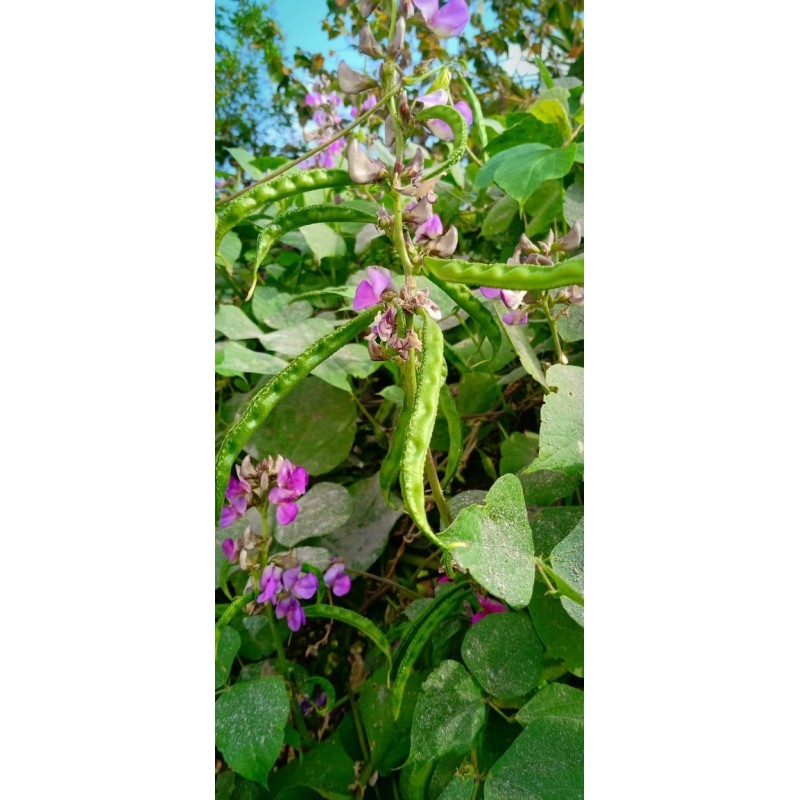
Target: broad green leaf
464,499
315,428
521,170
525,132
543,208
554,700
570,325
291,341
257,640
232,322
561,635
543,487
561,433
550,111
394,394
236,359
494,543
362,539
277,309
228,647
573,202
517,335
246,161
323,241
567,560
352,359
579,152
250,718
229,249
459,788
518,451
551,525
499,217
449,714
325,507
544,763
477,392
389,738
560,94
504,654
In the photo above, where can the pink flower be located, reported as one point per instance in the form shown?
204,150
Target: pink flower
270,584
231,550
290,608
300,584
236,494
449,20
336,580
292,482
368,292
430,229
488,606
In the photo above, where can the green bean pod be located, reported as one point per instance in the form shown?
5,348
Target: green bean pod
453,118
390,467
420,426
477,112
530,277
265,400
466,300
296,218
256,197
454,433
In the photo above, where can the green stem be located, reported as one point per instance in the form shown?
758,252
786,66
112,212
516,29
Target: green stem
232,610
273,629
380,433
319,148
436,490
563,588
554,330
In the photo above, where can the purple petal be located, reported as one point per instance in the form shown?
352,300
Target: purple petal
332,573
290,577
270,573
431,227
284,606
277,495
296,617
465,111
439,128
491,606
313,99
229,549
381,279
450,20
427,8
236,488
341,586
296,480
239,505
512,318
365,297
512,299
228,516
478,617
437,98
306,586
369,103
286,513
492,294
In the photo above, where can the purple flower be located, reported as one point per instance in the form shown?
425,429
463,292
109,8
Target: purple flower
440,128
230,549
290,608
236,494
516,318
449,20
488,606
429,229
369,292
300,584
336,580
292,482
270,583
320,117
437,98
314,99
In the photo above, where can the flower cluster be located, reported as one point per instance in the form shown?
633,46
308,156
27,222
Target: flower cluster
328,123
526,252
285,587
275,480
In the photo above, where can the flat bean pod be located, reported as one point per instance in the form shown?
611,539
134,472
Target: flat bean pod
454,433
391,465
296,218
261,194
466,300
452,116
265,400
420,426
530,277
477,112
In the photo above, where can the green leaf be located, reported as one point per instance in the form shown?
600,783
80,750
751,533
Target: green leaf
567,561
561,635
236,359
459,788
250,718
229,250
256,635
323,241
518,451
494,543
561,432
449,715
518,336
560,94
228,647
551,525
554,700
521,170
544,763
570,325
273,308
579,152
325,507
477,392
543,487
573,202
550,111
504,654
315,430
528,131
246,161
232,322
352,359
544,74
499,217
293,340
543,208
394,394
362,539
388,738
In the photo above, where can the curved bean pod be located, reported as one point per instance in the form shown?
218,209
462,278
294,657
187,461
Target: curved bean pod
453,118
454,433
530,277
297,218
477,112
283,186
420,426
464,298
265,400
390,467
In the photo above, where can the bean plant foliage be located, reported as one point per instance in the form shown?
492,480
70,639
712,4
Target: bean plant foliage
399,381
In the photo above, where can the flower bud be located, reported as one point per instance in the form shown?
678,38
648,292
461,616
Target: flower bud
352,82
368,44
361,167
399,38
571,239
414,167
548,242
